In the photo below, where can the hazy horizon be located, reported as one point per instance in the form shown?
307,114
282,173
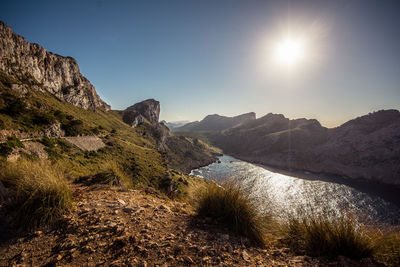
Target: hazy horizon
208,57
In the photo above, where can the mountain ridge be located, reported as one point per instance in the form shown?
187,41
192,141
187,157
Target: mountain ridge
367,147
216,122
58,75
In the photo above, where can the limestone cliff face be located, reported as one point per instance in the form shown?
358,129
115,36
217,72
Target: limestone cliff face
31,63
148,109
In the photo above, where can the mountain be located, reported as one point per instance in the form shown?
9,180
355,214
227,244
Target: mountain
58,75
367,147
172,125
47,103
146,110
217,123
269,134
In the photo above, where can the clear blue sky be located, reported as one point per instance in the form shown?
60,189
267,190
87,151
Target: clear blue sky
205,57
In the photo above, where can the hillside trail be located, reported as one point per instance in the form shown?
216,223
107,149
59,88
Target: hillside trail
125,227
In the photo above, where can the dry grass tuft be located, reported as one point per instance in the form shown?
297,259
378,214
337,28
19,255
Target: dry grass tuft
320,236
110,174
387,246
41,194
233,207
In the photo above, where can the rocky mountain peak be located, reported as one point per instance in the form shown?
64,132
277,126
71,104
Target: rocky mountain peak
33,65
148,109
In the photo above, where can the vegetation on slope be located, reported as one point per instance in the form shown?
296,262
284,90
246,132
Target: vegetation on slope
235,209
41,193
132,156
320,236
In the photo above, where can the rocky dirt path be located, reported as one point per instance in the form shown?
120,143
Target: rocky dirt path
115,227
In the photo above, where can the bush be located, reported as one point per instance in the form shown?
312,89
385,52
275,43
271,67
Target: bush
47,141
320,236
15,107
234,208
73,127
7,147
55,147
41,192
43,118
97,130
60,116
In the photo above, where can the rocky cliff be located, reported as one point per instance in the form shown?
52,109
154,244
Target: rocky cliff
216,122
148,109
180,153
32,64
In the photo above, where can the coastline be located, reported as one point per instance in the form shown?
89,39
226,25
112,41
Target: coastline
387,192
203,163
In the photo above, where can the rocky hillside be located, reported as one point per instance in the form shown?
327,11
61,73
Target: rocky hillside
217,123
119,227
58,75
180,153
367,147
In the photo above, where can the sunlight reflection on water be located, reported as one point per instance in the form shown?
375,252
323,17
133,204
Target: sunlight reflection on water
286,196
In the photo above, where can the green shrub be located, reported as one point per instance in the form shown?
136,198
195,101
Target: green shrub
55,147
96,130
15,107
60,116
7,147
321,236
41,192
73,127
233,207
47,141
43,119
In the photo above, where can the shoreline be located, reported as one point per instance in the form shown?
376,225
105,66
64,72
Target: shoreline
200,164
387,192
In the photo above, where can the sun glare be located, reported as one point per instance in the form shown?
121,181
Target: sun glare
289,51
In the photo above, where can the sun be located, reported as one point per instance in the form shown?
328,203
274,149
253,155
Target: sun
289,51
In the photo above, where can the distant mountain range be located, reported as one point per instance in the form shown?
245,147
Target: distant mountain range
216,122
174,124
367,147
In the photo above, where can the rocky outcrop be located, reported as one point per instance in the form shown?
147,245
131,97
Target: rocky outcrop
367,147
216,122
140,112
32,64
133,118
